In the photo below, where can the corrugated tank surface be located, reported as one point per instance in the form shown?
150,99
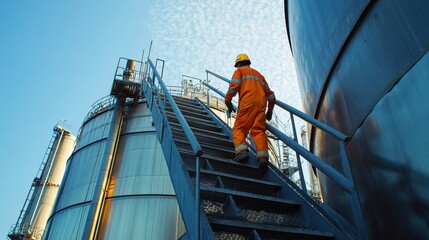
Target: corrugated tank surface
363,69
140,203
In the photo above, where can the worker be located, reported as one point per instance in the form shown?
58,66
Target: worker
253,92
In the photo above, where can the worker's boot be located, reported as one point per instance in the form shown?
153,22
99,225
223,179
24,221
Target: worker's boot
263,162
242,157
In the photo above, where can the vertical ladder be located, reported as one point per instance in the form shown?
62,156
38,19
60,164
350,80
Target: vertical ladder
18,228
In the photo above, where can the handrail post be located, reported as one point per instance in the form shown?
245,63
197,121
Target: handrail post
197,196
208,91
298,159
356,207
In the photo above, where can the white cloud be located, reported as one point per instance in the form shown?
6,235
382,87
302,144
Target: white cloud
194,35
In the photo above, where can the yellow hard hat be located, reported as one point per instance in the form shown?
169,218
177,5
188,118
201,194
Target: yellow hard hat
240,58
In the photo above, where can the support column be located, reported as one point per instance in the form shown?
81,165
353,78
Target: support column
103,177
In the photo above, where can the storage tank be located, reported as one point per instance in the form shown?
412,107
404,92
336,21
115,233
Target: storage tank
41,197
138,200
363,69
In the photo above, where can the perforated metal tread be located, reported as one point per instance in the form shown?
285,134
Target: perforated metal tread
254,181
250,200
188,106
196,113
234,182
182,99
266,231
205,139
207,148
193,121
176,126
235,198
223,165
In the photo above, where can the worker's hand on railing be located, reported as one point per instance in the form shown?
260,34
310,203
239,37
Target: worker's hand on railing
230,109
269,115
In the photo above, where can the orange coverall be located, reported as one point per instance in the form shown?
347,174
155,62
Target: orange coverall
253,92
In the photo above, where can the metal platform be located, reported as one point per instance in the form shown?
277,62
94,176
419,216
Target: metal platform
121,88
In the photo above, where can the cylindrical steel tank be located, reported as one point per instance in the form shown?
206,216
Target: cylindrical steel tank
140,202
363,69
46,186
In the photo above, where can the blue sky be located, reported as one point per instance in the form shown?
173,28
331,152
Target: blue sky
59,57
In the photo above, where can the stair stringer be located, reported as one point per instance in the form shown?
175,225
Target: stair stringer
182,184
312,213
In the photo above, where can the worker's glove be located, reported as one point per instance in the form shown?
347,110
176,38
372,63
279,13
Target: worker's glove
230,109
269,115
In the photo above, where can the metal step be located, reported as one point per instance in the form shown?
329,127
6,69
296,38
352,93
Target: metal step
234,182
195,122
190,103
182,100
188,107
204,138
266,231
207,148
249,200
236,200
223,203
223,165
195,130
193,118
192,113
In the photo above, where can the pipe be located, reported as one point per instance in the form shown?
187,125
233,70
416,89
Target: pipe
103,177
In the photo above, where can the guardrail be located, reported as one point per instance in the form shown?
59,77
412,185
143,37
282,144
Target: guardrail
153,91
344,180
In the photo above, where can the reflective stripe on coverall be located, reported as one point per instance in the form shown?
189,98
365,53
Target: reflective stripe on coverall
253,92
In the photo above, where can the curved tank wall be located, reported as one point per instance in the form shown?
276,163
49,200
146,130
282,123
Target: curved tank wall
140,201
363,69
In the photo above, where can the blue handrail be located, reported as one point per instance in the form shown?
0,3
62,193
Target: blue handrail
344,180
188,132
323,166
314,122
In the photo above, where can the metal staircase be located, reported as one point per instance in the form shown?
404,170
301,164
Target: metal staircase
221,199
236,199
